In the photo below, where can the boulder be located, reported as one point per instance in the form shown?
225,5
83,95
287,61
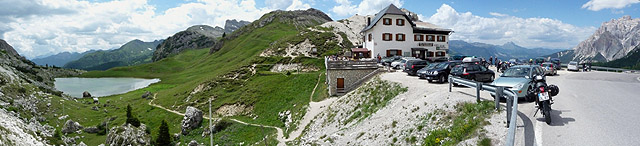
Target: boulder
146,95
86,94
128,134
95,99
192,119
81,144
91,130
70,127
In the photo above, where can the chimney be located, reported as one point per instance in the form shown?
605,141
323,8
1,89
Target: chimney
368,21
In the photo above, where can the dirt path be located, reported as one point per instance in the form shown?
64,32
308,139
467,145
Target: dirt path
314,109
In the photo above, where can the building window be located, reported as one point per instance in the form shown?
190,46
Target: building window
440,54
393,52
430,38
400,22
418,37
386,21
400,37
387,37
441,39
429,54
370,37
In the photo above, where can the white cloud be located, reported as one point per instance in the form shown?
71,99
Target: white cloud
497,14
597,5
88,25
365,7
287,4
528,32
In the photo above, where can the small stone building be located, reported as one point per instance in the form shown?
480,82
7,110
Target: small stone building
346,75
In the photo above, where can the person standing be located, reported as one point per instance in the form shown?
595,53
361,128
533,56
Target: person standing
490,60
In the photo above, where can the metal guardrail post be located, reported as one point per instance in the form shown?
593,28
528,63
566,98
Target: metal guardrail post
509,107
499,95
512,126
450,83
478,88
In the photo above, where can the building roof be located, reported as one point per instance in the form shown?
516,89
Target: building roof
391,9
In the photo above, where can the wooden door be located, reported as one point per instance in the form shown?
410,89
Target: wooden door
340,83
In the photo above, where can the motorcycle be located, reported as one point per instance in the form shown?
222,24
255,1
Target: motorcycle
544,98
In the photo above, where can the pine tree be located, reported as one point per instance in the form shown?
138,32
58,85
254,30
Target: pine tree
163,138
131,119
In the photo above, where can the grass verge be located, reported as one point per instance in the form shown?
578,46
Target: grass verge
469,117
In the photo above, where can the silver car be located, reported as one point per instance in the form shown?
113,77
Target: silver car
549,68
520,79
572,66
399,64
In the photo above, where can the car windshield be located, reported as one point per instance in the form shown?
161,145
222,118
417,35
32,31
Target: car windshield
546,65
573,63
441,65
516,72
432,65
457,69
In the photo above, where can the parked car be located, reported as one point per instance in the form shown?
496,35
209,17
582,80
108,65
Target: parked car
539,60
520,79
549,68
474,72
387,60
412,66
556,63
400,63
457,57
572,66
471,60
423,71
441,71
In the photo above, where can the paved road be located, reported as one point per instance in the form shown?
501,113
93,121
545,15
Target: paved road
593,108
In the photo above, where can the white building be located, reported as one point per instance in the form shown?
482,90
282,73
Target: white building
392,32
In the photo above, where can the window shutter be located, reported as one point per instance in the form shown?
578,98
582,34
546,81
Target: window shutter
388,53
399,52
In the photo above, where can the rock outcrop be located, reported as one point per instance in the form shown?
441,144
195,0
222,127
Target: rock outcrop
146,95
128,134
70,127
86,94
192,119
91,130
233,25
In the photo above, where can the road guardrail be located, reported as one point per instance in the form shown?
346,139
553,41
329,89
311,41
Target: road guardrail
499,92
608,69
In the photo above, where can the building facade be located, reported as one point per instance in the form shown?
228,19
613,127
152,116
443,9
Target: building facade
392,33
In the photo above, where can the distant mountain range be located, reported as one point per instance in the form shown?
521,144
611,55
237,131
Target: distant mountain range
506,51
132,53
60,59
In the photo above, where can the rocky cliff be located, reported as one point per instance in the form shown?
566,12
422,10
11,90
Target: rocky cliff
195,37
613,40
24,90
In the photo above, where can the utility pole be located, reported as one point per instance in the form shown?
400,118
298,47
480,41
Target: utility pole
210,129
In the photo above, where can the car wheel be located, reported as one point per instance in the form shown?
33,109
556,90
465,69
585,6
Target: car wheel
429,81
442,79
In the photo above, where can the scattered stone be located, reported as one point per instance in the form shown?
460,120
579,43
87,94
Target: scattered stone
95,100
95,108
91,130
49,104
146,95
176,136
70,127
63,117
86,94
128,134
81,144
192,119
193,143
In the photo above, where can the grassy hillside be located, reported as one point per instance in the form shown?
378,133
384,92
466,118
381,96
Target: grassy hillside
228,73
132,53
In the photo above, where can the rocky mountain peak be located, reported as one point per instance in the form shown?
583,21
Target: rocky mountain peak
4,46
613,40
207,30
232,25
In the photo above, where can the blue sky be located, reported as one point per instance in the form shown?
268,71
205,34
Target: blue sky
45,27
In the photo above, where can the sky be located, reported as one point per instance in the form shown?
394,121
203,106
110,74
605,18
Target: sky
37,28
